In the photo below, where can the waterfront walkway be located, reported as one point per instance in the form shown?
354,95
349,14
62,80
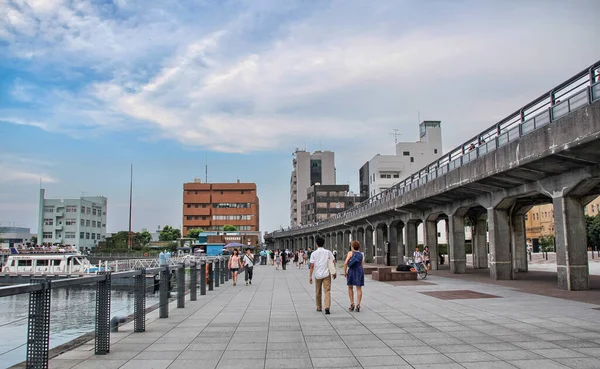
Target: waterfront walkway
438,323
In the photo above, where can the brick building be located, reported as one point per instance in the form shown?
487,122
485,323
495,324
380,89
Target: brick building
210,206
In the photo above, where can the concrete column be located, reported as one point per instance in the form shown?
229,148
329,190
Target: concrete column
400,244
479,240
379,243
360,237
431,240
411,238
369,255
456,238
345,246
354,235
339,244
519,243
500,258
571,244
393,240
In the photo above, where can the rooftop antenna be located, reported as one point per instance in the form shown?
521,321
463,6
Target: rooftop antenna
396,134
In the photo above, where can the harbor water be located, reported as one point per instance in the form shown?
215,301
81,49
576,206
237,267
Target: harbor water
72,315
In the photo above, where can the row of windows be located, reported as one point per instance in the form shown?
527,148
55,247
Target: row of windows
232,217
389,175
71,235
220,228
224,205
196,217
222,192
73,209
407,153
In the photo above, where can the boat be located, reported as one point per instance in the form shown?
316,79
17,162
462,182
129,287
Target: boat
48,263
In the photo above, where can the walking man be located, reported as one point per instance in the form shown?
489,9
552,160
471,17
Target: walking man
248,261
319,266
284,259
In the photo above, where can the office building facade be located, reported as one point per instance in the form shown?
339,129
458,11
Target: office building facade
80,223
324,201
210,206
308,170
383,171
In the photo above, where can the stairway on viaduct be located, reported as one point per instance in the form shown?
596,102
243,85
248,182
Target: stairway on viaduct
546,152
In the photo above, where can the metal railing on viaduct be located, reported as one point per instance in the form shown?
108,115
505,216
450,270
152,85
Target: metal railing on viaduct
548,151
213,273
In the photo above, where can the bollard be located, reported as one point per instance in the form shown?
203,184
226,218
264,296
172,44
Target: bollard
102,339
38,329
227,271
222,269
217,272
163,295
181,286
211,279
202,278
193,281
139,305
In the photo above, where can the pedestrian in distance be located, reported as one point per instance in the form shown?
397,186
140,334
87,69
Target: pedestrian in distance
277,259
321,261
284,259
426,258
355,274
248,261
334,255
234,265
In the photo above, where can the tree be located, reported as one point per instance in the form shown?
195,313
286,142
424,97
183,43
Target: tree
593,231
145,237
120,241
33,240
194,233
169,233
229,228
547,243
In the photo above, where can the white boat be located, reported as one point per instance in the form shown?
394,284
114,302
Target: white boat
47,263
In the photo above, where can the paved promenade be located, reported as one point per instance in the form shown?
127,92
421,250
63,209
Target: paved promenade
441,323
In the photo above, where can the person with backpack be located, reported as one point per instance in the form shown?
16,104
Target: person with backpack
248,262
355,275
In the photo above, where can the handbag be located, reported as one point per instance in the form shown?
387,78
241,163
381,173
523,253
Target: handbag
352,261
331,266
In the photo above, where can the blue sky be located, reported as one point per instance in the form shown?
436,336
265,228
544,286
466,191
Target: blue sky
88,87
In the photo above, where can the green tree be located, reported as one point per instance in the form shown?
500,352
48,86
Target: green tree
229,228
169,233
547,243
593,231
194,233
120,241
145,237
33,240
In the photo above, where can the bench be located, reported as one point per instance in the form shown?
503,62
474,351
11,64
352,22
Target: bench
403,276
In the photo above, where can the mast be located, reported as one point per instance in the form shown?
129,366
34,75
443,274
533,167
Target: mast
130,204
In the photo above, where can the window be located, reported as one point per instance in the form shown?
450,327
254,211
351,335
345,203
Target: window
203,218
195,192
93,211
48,209
83,210
87,223
412,159
396,175
71,209
203,205
103,225
25,263
94,223
98,236
526,217
406,153
196,205
87,235
435,151
82,235
69,235
242,192
93,236
41,263
82,223
88,210
70,221
48,221
189,206
47,235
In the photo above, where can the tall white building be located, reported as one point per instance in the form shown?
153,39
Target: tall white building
309,169
80,223
383,171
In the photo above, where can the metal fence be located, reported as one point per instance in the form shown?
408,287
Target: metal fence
578,91
213,273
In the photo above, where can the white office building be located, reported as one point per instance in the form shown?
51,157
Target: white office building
14,236
383,171
80,223
309,170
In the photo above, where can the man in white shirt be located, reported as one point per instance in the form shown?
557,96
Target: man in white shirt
319,266
417,256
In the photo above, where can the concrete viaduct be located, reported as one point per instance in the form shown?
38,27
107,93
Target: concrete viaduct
546,152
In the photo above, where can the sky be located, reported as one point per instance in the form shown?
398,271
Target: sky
89,87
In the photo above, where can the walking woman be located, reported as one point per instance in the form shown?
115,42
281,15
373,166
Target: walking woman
355,275
277,259
234,265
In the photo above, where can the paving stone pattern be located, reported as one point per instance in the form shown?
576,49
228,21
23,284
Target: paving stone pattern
273,324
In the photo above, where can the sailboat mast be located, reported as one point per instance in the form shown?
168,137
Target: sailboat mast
130,205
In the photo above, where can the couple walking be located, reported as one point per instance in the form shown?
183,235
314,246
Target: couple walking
322,266
246,262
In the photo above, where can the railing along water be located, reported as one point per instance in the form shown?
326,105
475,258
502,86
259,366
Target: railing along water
578,91
39,290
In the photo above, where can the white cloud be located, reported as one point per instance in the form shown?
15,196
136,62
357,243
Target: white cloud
21,170
267,78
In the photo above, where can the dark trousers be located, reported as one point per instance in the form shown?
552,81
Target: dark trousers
248,275
284,263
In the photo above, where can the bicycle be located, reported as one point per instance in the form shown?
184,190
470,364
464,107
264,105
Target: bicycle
421,268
